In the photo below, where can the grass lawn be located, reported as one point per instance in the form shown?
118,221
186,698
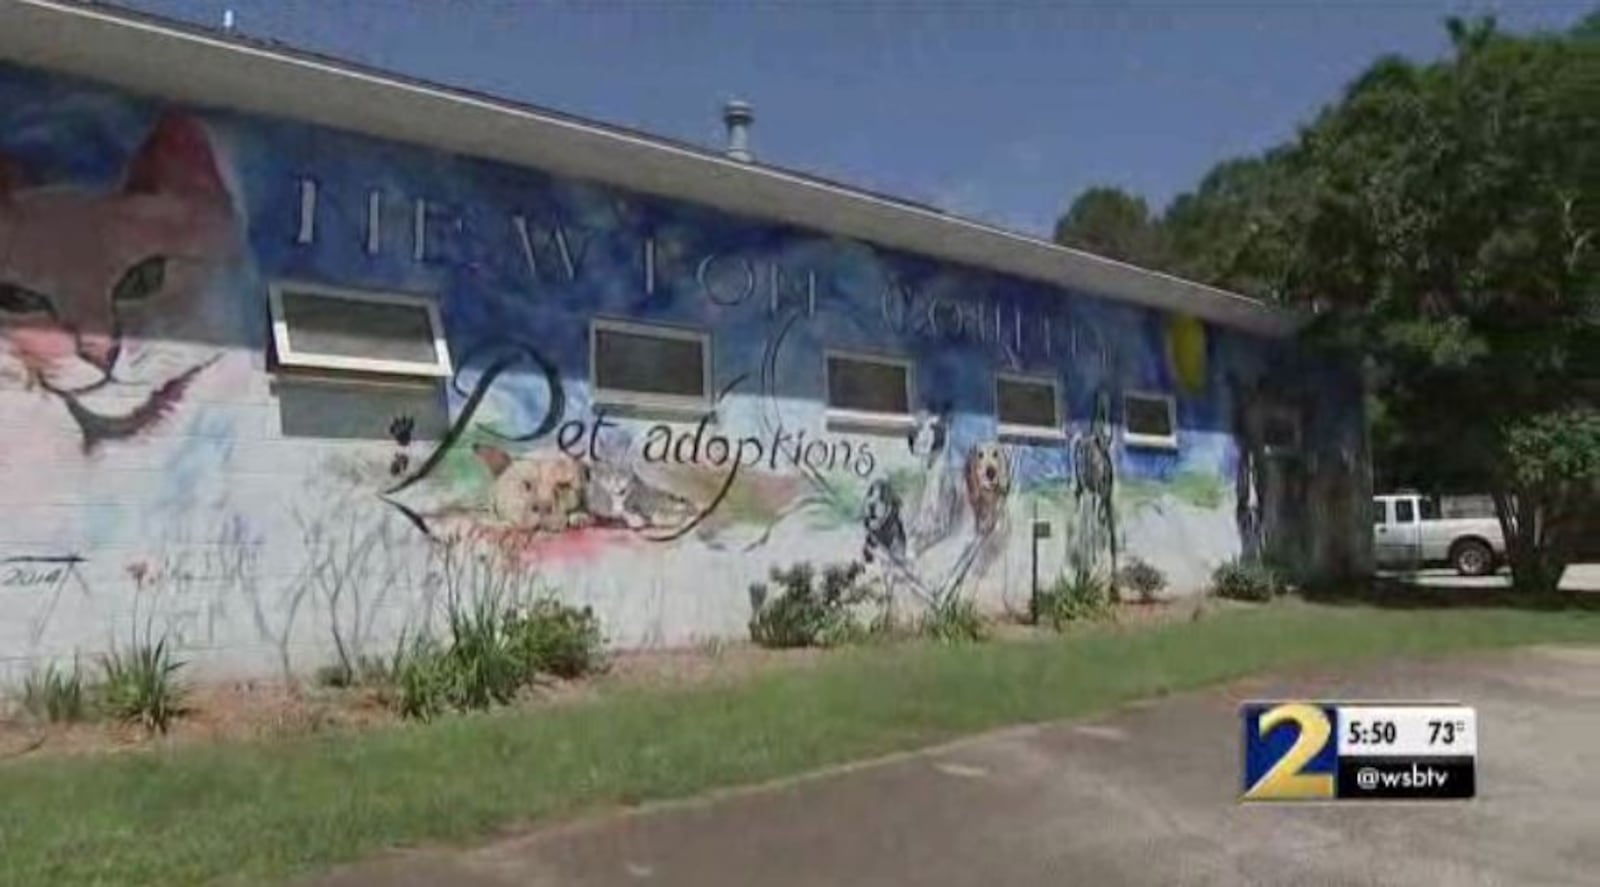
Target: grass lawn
260,811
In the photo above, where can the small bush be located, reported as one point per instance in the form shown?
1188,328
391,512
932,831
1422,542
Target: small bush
954,621
420,686
477,667
1245,581
804,615
54,695
843,630
141,685
1075,596
491,652
1143,579
553,638
788,620
502,633
482,666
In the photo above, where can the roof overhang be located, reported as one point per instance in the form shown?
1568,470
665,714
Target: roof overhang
181,63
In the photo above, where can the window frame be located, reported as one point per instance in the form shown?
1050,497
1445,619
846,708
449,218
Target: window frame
1151,441
1409,505
1055,432
651,400
1426,504
285,355
871,420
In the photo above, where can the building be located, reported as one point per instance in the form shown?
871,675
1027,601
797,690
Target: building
278,333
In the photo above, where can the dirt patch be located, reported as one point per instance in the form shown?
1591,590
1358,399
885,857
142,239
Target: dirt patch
243,711
253,710
213,712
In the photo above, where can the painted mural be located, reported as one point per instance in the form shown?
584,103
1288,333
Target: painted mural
158,464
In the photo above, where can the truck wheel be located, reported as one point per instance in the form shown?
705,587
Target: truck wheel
1471,557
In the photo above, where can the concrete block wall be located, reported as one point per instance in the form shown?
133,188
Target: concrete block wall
163,475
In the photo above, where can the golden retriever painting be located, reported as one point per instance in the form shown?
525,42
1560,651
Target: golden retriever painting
988,482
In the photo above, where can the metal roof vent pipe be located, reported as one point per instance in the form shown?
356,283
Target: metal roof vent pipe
738,116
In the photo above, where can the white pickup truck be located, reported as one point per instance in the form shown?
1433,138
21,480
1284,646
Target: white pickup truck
1409,531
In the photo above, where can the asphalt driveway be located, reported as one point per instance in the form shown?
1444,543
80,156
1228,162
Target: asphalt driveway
1143,796
1579,577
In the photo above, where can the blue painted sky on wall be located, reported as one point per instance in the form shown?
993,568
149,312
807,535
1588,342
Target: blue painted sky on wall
959,325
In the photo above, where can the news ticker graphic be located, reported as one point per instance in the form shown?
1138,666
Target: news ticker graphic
1325,751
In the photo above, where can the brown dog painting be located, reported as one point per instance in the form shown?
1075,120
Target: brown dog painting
988,482
544,492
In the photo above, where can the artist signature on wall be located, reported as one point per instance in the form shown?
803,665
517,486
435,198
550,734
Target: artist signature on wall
42,572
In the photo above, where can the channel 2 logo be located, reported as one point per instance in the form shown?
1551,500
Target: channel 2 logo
1326,751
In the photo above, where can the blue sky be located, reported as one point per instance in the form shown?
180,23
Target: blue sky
996,109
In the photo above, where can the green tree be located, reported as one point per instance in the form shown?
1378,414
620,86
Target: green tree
1589,28
1235,230
1554,463
1113,223
1448,234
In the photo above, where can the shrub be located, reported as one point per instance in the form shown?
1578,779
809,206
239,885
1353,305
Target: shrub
419,678
842,630
1245,581
955,620
788,620
54,695
554,638
1075,596
141,685
502,632
1142,578
482,666
804,615
476,667
490,653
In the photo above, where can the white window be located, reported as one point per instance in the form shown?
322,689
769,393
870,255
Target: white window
1149,420
650,365
867,389
328,328
1027,406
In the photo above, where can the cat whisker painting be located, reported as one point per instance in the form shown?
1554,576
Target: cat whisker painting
95,288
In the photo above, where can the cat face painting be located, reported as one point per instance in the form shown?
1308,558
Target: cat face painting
101,293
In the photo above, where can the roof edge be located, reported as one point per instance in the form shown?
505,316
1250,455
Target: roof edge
153,55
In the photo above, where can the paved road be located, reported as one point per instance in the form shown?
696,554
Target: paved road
1144,796
1579,577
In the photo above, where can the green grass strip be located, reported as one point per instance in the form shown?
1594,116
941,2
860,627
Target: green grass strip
262,811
